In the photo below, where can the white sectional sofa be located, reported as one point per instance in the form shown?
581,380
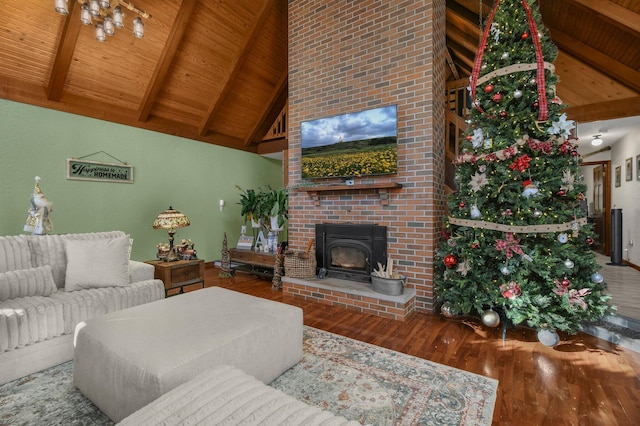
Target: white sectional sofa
50,283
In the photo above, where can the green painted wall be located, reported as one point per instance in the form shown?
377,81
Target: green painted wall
189,175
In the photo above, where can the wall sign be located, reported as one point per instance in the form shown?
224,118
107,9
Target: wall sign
97,171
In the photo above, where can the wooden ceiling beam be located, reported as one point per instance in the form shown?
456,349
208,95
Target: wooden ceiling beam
608,110
614,14
235,66
462,54
452,65
607,65
66,48
463,19
167,56
468,43
271,147
269,112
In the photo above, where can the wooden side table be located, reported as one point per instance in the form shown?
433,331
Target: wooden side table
180,276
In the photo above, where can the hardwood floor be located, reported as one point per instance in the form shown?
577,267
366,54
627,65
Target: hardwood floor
582,381
623,283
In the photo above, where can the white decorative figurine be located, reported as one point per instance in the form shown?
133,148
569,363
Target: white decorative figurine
38,221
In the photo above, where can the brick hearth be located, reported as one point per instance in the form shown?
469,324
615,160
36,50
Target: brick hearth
351,295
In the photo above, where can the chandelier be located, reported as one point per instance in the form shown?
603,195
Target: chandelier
107,14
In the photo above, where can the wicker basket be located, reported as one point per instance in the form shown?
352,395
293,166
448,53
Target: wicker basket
296,267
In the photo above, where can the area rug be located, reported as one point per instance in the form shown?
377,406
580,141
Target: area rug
357,380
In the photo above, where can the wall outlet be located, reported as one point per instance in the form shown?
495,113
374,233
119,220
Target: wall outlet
349,182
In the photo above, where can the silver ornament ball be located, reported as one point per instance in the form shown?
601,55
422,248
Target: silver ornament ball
537,213
569,264
548,337
517,94
505,270
505,55
490,318
597,278
445,310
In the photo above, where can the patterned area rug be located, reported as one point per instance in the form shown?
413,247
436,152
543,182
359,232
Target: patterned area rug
357,380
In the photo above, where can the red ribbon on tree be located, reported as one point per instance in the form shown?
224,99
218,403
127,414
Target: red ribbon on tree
509,245
543,110
521,163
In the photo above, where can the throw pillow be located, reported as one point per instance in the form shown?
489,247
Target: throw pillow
27,282
97,263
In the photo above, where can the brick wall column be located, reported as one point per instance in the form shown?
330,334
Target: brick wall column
349,56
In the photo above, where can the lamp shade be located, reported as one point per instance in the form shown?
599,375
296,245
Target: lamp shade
171,219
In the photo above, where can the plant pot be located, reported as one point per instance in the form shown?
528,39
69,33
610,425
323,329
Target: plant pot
388,286
255,224
274,224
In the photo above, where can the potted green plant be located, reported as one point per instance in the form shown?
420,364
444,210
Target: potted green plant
250,202
278,208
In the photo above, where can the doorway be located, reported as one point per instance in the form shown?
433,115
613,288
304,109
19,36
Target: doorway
599,208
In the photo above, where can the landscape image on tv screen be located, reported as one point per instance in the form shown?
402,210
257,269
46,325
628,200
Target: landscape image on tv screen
357,144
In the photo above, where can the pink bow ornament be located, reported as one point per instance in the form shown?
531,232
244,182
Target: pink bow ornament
509,245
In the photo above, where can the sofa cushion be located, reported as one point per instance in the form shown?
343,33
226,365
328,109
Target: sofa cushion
140,271
82,305
49,250
28,320
97,263
14,253
27,282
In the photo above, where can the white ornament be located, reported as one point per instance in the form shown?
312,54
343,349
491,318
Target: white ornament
477,139
505,55
563,238
568,180
475,212
562,127
505,270
490,318
569,264
537,213
478,180
531,190
517,94
495,31
548,337
597,278
463,268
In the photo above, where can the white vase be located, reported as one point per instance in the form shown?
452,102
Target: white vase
255,224
274,224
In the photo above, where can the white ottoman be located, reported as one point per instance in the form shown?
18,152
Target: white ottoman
126,359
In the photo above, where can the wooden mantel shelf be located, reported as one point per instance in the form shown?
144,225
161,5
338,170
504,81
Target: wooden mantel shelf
381,188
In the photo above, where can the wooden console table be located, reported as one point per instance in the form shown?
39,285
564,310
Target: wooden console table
261,263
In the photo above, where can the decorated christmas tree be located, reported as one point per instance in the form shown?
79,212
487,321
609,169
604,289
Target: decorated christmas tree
517,245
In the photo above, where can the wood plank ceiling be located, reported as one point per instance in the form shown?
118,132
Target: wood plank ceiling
216,71
598,61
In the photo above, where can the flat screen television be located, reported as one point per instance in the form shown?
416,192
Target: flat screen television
361,143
